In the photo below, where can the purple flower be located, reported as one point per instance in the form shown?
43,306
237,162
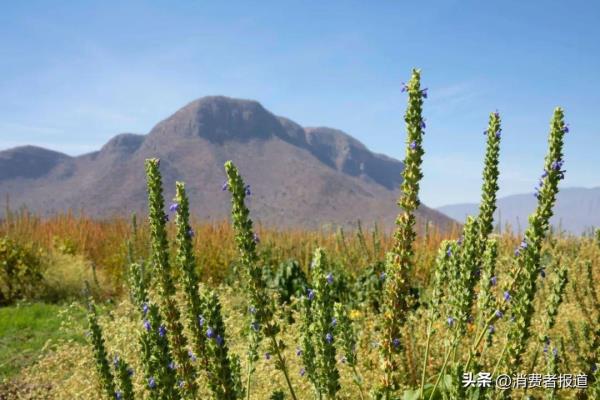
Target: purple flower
166,217
544,174
247,190
557,165
566,128
151,383
298,352
252,310
546,345
145,308
404,87
255,238
594,367
329,278
449,252
172,365
496,114
255,326
191,355
334,322
396,343
498,134
116,361
147,325
225,186
302,371
201,321
506,296
459,241
173,207
130,371
492,329
311,294
413,145
555,351
219,340
210,333
523,244
424,93
162,331
267,356
382,276
543,273
181,383
329,338
485,132
191,232
450,321
499,314
493,280
517,252
423,125
118,395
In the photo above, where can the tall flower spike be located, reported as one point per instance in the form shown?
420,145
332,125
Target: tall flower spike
123,373
397,294
216,361
160,260
529,261
99,349
489,190
258,297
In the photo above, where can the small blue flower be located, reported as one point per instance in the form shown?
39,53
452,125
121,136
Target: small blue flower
302,371
210,333
557,165
191,355
181,383
485,132
498,133
329,278
566,128
450,321
523,244
499,314
252,310
449,252
334,322
396,343
329,338
145,308
460,241
255,326
151,383
255,238
543,273
130,371
191,232
413,145
423,125
382,276
118,395
298,352
173,207
404,87
492,329
555,351
225,186
506,296
517,252
166,217
311,294
162,331
267,356
493,280
172,365
116,361
201,321
219,340
147,325
424,93
544,174
247,190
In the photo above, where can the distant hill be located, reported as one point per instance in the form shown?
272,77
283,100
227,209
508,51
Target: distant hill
304,177
577,210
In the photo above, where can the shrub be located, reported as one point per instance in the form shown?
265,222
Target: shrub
21,268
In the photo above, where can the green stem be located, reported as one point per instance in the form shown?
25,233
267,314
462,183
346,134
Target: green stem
248,379
357,380
437,381
425,359
283,367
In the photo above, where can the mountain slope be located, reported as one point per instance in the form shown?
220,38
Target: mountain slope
577,210
304,177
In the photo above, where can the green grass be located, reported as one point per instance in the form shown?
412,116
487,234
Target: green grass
24,330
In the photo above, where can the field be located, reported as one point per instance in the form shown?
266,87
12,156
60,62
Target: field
164,307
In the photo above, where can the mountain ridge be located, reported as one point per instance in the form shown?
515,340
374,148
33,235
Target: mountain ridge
300,176
576,211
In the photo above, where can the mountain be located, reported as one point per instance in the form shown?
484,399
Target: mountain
576,210
304,177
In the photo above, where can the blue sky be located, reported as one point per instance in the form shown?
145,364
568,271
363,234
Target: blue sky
74,74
